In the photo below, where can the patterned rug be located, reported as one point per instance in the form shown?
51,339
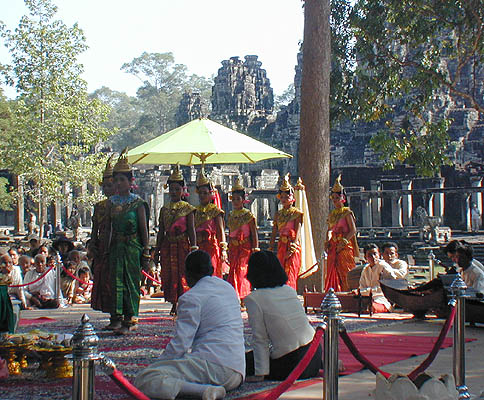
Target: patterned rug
130,353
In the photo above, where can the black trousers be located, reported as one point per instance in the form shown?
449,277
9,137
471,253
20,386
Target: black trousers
280,368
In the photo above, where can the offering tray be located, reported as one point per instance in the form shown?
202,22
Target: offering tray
15,355
53,361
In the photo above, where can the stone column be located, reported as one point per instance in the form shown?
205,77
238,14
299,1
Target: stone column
476,197
376,203
438,200
397,210
366,210
407,206
19,206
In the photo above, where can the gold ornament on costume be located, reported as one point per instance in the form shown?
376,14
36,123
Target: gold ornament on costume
122,164
286,184
176,175
238,187
108,171
299,184
202,179
337,187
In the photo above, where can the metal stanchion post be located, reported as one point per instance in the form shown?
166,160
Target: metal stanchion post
457,289
331,308
431,258
58,291
84,354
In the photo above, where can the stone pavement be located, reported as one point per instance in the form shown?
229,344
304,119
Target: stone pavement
358,386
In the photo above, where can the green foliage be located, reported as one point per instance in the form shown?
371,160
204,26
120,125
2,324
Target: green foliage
285,98
55,125
6,197
407,58
157,99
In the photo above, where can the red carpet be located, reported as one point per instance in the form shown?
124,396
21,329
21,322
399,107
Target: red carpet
35,321
378,348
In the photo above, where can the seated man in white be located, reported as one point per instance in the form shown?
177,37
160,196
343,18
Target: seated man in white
375,270
390,255
206,356
472,275
42,292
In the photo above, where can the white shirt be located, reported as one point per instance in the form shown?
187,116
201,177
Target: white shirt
473,277
370,277
209,323
18,292
278,322
400,267
45,287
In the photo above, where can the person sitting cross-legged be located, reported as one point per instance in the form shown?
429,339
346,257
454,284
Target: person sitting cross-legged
375,270
42,292
390,255
206,356
472,275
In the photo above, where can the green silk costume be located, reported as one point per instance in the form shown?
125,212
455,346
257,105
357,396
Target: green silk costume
125,257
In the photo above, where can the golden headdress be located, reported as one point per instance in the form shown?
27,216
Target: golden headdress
238,187
176,175
108,170
122,164
286,184
337,187
299,184
202,180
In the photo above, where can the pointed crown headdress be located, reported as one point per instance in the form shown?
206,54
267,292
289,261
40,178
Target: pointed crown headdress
176,175
238,187
202,179
108,170
299,184
337,187
286,184
122,164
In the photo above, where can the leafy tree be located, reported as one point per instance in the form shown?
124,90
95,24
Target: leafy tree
163,83
55,124
404,64
6,197
285,98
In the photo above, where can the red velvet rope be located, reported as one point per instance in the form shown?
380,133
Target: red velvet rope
283,386
75,277
150,277
438,344
422,367
38,279
118,377
309,269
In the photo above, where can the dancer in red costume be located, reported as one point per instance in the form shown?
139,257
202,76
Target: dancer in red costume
287,222
243,241
340,245
176,238
209,225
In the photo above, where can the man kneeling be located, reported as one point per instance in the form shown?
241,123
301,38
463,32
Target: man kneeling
210,324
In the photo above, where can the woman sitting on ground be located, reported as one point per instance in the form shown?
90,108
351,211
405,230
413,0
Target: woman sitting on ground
280,329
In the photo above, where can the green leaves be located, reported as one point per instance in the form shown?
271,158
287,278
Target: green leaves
54,126
403,61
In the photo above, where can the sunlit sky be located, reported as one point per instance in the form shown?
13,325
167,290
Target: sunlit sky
200,34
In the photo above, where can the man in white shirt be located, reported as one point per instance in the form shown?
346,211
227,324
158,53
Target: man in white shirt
472,275
390,255
372,273
42,292
209,324
475,218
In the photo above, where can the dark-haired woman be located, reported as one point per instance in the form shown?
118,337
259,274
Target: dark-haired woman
209,225
176,238
280,329
129,251
287,222
243,241
340,245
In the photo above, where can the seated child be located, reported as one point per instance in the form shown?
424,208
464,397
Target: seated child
82,290
375,270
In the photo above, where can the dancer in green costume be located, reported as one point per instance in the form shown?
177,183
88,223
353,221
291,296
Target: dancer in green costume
129,250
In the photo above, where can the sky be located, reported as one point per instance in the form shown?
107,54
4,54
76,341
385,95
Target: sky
200,34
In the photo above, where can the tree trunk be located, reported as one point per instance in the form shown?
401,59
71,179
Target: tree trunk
314,157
